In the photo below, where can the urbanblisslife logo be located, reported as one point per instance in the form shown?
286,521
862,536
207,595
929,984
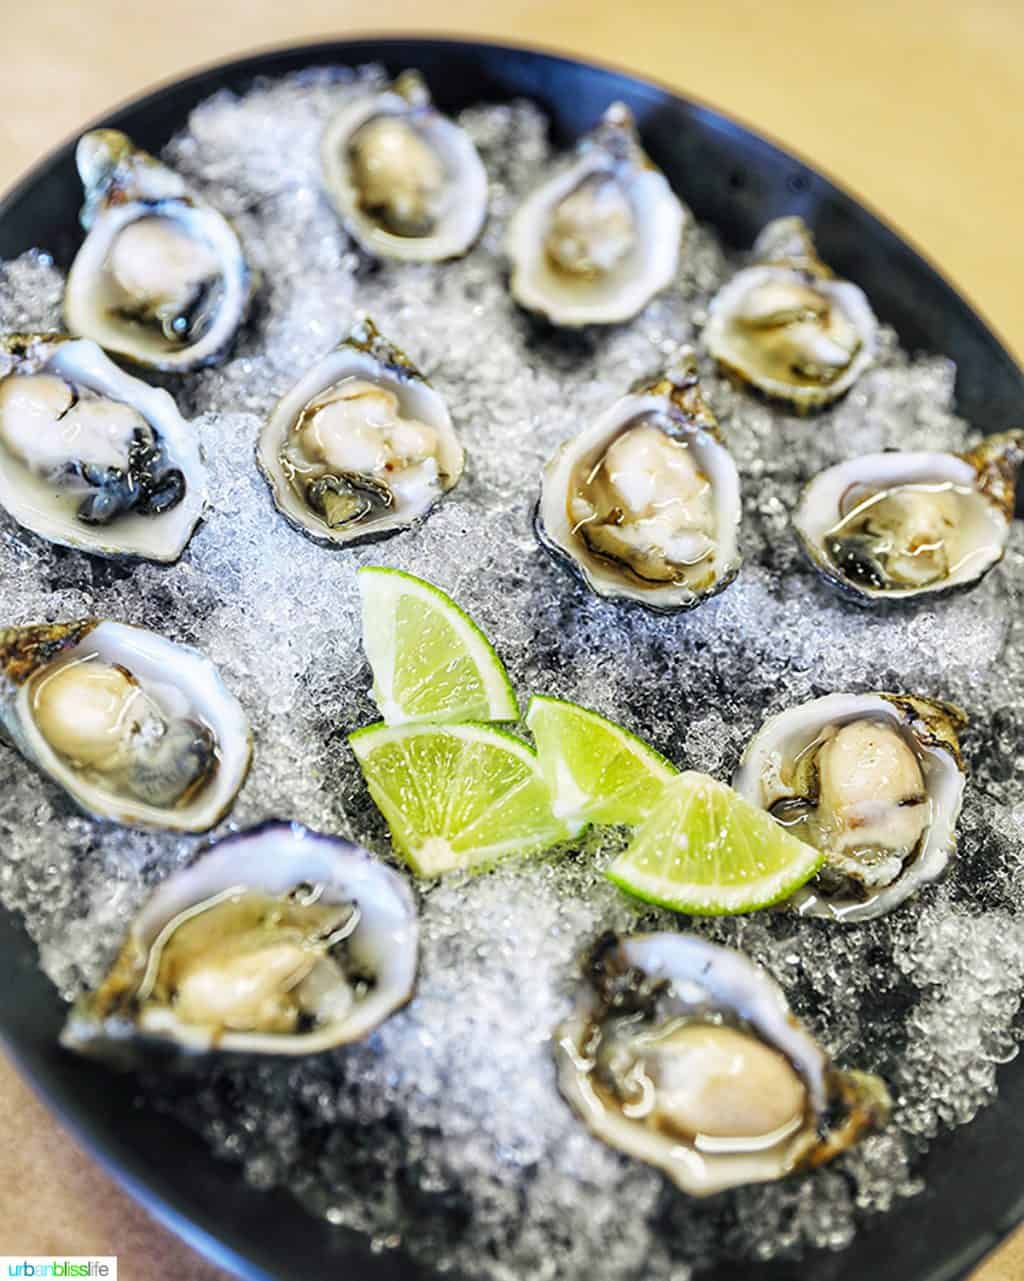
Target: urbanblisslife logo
36,1268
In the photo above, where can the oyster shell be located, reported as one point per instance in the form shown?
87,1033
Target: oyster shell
645,503
787,326
896,525
92,458
137,729
161,279
685,1055
406,181
278,940
362,446
599,238
875,781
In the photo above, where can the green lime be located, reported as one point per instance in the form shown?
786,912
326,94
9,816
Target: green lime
596,771
430,661
456,796
706,851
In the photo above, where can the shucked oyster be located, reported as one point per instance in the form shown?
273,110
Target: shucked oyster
596,241
278,940
875,781
362,446
645,503
896,525
92,458
161,278
685,1055
135,728
787,325
407,182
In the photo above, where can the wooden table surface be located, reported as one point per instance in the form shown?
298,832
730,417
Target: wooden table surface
914,104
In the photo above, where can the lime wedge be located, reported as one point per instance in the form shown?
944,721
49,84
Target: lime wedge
430,661
456,796
706,851
596,771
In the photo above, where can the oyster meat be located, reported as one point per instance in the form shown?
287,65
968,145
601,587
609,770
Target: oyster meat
363,446
645,503
597,240
787,326
136,729
277,940
161,278
92,458
685,1055
875,781
407,182
896,525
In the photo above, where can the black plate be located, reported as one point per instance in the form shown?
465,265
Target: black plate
735,180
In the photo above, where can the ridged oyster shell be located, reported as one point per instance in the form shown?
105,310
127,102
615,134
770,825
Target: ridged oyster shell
407,182
685,1054
298,942
405,436
137,729
601,236
874,799
787,325
161,278
45,479
707,527
897,525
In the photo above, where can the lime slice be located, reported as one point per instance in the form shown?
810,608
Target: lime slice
431,663
456,796
706,851
596,771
